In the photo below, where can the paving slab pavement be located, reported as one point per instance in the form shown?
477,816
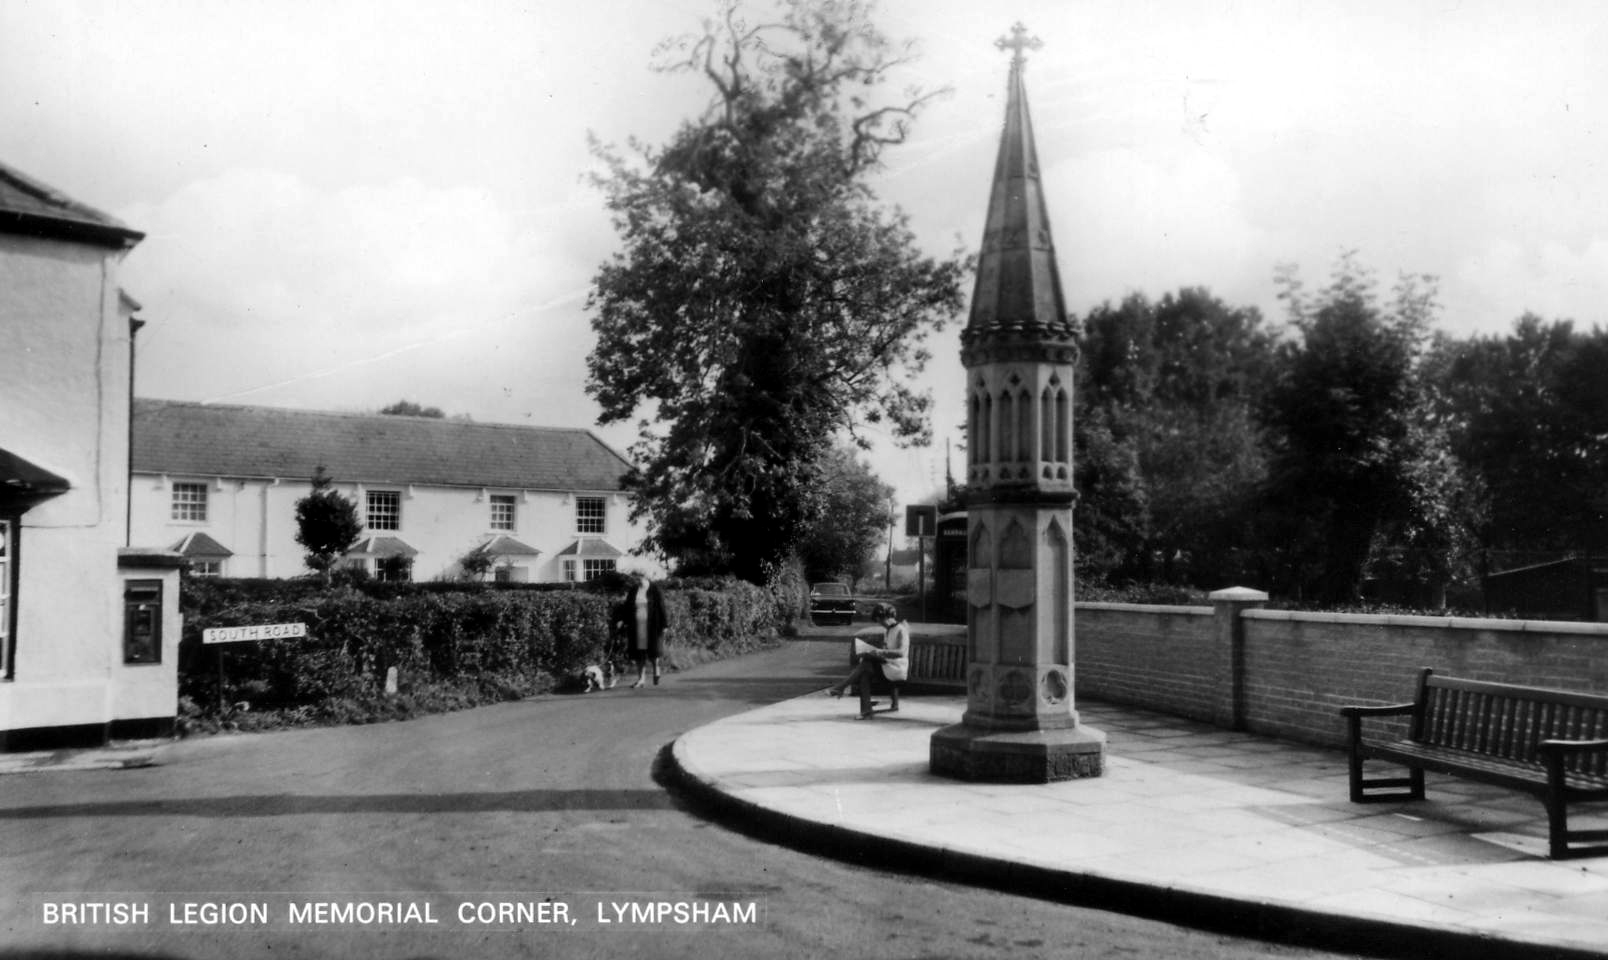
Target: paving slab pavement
119,755
1189,822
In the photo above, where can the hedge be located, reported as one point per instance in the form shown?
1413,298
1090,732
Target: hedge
452,646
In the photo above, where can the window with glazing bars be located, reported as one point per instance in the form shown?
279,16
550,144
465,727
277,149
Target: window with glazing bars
590,515
384,510
190,502
502,512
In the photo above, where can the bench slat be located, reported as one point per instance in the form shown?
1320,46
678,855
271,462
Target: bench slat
1512,730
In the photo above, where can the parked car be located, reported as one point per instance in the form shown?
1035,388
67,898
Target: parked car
831,601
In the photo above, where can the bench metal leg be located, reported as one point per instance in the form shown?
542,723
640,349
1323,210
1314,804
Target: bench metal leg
1557,826
1360,785
1559,836
1354,757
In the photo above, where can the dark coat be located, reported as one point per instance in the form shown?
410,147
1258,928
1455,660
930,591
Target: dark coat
625,624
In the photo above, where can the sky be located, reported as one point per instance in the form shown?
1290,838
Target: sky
352,202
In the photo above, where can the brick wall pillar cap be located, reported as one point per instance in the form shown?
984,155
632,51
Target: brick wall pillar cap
1237,595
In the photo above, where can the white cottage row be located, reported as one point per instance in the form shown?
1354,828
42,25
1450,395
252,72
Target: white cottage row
219,484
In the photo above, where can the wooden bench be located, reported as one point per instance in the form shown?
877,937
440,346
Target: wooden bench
1550,743
938,662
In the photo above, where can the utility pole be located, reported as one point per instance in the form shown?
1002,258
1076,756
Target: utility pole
921,568
887,566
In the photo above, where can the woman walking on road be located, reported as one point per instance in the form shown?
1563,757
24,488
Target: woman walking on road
639,621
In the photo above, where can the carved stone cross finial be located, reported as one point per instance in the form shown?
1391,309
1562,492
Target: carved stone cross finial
1019,41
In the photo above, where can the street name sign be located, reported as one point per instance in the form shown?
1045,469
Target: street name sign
257,631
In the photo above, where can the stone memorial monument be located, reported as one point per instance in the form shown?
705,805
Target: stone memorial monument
1018,348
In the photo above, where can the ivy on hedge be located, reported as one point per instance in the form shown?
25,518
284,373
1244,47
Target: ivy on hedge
506,641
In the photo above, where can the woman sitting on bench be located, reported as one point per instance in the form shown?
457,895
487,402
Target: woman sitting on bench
873,655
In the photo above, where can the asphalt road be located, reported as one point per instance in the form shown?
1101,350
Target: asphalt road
553,799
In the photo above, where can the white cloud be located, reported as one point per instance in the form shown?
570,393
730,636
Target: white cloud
1546,278
1149,223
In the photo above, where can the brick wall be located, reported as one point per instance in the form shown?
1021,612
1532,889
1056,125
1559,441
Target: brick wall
1301,668
1157,657
1298,669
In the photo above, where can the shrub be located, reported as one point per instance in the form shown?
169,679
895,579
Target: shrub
1164,594
453,645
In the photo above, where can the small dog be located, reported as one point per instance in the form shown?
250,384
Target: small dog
599,676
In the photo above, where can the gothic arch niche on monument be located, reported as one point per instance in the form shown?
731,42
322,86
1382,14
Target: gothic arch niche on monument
1059,547
982,433
1005,440
974,430
1063,431
1014,595
1055,429
1047,427
1016,426
980,610
1024,432
980,588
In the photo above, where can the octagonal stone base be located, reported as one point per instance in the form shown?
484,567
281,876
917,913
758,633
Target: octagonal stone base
1036,756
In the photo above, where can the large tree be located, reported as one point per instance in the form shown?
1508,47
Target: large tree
1360,471
1530,418
1169,450
762,302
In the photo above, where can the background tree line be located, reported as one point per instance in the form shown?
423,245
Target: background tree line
1352,445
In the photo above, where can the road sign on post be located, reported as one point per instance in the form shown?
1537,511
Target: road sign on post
247,634
921,520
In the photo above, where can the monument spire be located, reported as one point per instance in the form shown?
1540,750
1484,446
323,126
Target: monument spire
1018,289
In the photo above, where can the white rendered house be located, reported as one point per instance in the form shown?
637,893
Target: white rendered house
89,627
219,484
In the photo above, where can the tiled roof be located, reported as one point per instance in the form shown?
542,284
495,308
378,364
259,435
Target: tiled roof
207,440
199,544
23,483
381,547
590,547
29,477
503,545
30,207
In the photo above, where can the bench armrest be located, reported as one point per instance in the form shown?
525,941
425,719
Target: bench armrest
1571,746
1390,710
